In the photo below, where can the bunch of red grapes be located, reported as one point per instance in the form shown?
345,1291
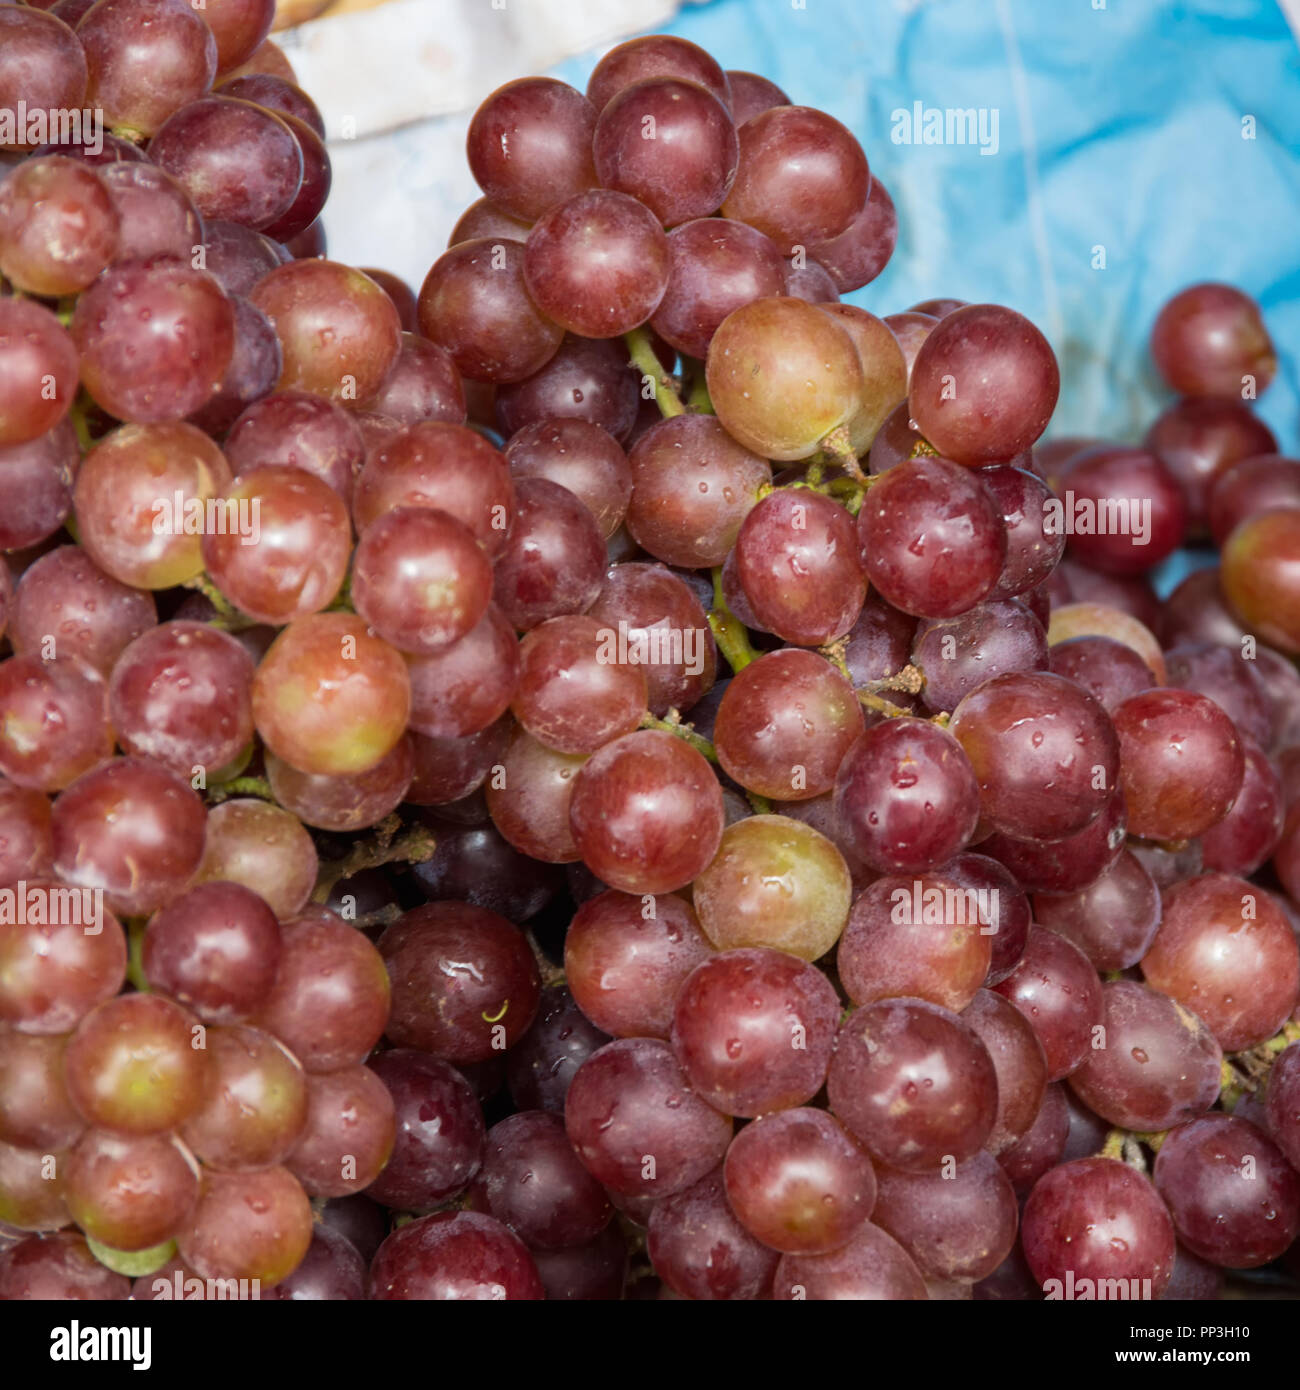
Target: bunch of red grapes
611,778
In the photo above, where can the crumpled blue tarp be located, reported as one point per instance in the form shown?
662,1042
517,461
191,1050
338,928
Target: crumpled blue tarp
1118,127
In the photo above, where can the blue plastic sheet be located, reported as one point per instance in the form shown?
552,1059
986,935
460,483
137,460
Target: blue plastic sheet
1141,146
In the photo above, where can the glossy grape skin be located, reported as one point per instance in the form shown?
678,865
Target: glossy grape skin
957,654
775,882
797,562
58,226
254,369
753,1031
155,214
1247,836
586,379
237,257
476,864
130,1193
462,688
541,1065
785,724
453,1256
464,982
131,828
1112,920
1225,950
440,1133
330,698
782,375
871,1267
35,1111
1208,338
579,456
885,953
1235,1201
348,1136
1044,1144
532,1181
1068,864
1097,1218
1200,440
1056,988
646,813
347,801
906,796
180,695
687,169
136,1065
31,1191
46,69
798,1182
692,487
718,265
172,367
553,560
1153,516
1033,546
476,306
483,220
752,93
1159,1066
39,364
423,384
293,429
338,330
58,1266
802,177
330,999
530,805
571,695
912,1083
1181,763
978,871
1044,753
597,264
39,477
1257,484
1020,1064
630,1099
332,1270
1259,578
862,250
26,836
1095,619
700,1249
594,1271
932,539
884,368
53,720
1107,669
657,55
248,1226
1006,384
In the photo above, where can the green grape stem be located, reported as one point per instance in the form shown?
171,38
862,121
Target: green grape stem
641,351
383,846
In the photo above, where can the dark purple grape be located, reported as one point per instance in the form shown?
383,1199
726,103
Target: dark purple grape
454,1255
542,1063
332,1271
1112,920
700,1250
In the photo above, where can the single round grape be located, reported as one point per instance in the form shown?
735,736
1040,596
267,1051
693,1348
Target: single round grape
1112,920
1181,763
1095,619
330,999
137,1065
1069,864
532,1181
1159,1065
130,1193
597,264
782,375
38,479
440,1133
464,982
871,1267
304,211
529,803
658,55
631,1099
775,882
862,250
1247,836
594,1271
1107,669
475,305
1000,904
541,1065
1234,1199
1257,484
1226,951
180,694
156,216
131,828
423,384
248,1226
54,972
914,938
913,1083
957,654
802,177
1208,339
646,813
295,430
256,1102
1259,576
348,1136
1095,1219
932,539
586,379
1020,1064
26,837
752,93
484,220
338,330
1034,543
254,369
701,1251
54,722
911,330
330,698
155,339
718,266
687,168
58,1266
984,385
478,865
462,688
753,1030
1055,987
1127,508
35,1111
1045,755
237,257
46,70
262,847
454,1255
38,372
58,226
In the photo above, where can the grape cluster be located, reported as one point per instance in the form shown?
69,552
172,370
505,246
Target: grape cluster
925,890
